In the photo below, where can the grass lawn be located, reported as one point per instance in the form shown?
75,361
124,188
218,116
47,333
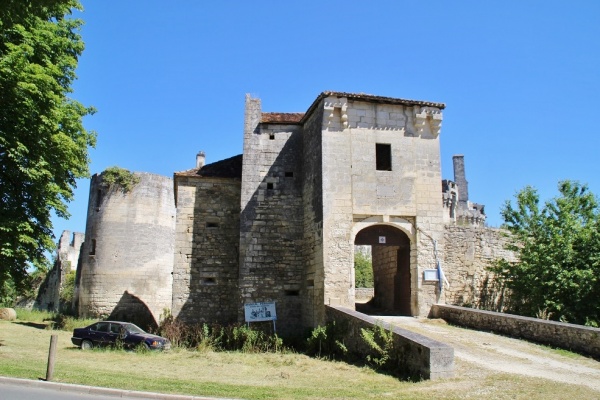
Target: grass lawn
24,353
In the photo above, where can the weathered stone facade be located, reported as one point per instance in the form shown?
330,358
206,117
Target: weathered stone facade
469,251
127,257
205,272
280,222
67,257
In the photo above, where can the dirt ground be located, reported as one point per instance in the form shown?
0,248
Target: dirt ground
491,352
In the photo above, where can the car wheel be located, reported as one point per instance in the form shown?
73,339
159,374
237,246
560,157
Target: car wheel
143,347
87,345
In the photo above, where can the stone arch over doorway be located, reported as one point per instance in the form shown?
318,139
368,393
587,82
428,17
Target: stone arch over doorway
391,258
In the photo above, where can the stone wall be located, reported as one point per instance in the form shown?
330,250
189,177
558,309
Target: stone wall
67,256
127,257
385,260
271,221
205,271
421,357
364,294
313,294
578,338
468,252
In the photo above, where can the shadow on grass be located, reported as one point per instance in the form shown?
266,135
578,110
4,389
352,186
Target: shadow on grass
36,325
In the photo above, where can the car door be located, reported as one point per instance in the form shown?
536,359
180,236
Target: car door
116,332
102,335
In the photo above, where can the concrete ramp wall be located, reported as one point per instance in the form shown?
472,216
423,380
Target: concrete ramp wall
419,357
578,338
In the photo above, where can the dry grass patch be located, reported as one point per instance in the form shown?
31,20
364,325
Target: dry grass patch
251,376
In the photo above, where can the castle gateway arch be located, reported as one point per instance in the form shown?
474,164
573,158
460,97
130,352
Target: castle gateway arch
390,249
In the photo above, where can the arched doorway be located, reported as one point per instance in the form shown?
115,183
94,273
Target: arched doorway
390,252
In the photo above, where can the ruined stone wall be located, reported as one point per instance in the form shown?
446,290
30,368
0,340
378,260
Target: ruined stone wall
271,229
67,255
355,192
468,252
205,271
127,257
312,203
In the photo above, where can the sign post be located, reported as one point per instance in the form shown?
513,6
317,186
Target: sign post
257,312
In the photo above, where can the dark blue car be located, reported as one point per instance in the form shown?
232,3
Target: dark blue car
108,333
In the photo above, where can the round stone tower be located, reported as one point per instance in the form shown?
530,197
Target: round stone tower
127,257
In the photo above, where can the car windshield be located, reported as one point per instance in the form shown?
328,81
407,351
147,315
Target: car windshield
131,328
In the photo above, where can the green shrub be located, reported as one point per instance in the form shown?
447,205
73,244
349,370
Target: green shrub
328,341
121,178
381,343
363,271
215,337
32,315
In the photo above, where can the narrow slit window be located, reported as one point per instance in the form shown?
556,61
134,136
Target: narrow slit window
383,157
292,293
289,174
209,281
93,248
212,224
98,199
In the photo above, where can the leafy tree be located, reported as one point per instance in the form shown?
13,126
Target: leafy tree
558,247
43,144
363,271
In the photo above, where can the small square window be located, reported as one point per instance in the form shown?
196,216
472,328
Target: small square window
272,136
270,186
289,174
383,157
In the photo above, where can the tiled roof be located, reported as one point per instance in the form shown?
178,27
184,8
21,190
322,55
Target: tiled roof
380,99
228,168
281,118
297,118
373,99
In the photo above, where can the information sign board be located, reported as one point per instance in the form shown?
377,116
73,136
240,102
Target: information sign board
257,312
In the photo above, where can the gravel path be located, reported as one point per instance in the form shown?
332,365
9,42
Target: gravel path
499,353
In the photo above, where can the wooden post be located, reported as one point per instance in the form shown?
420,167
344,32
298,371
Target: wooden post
51,357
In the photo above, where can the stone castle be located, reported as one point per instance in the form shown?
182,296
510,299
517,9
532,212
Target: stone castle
280,222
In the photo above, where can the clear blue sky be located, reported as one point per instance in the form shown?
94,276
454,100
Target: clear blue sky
520,79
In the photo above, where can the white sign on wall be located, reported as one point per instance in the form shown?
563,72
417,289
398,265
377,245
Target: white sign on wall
382,239
257,312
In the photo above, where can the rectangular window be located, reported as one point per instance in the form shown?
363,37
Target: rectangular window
383,157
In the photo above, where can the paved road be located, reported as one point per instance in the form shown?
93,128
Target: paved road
24,389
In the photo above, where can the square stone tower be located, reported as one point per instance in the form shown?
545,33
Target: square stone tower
354,169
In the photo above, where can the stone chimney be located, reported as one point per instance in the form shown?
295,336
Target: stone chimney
200,159
461,181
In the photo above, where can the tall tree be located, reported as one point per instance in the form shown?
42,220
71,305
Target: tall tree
558,245
43,144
